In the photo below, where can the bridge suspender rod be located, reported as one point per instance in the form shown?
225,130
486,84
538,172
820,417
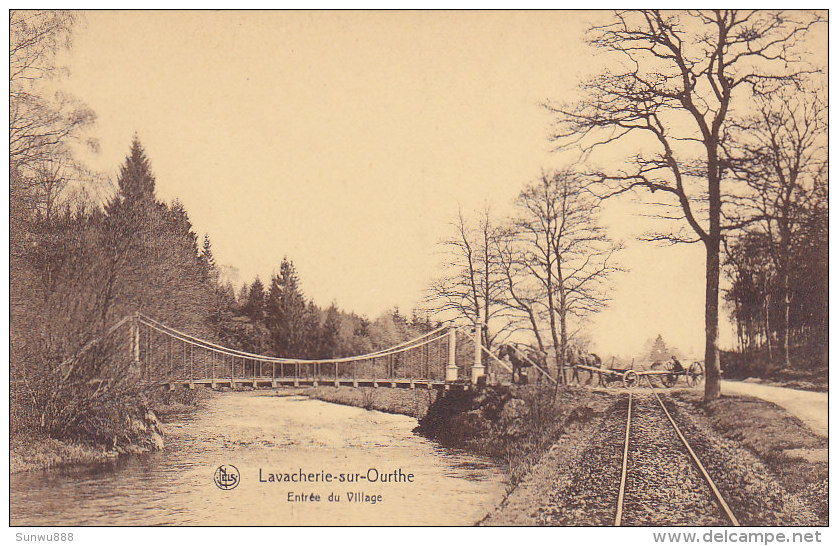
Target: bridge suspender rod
170,364
401,347
496,359
148,362
87,346
525,357
502,363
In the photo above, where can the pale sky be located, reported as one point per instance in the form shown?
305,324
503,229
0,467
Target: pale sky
347,141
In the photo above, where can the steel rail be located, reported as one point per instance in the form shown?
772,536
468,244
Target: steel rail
621,496
728,512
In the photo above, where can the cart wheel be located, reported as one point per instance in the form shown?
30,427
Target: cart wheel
630,379
695,374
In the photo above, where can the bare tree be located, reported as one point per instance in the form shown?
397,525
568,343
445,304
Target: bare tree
563,251
679,77
524,297
779,152
472,286
42,122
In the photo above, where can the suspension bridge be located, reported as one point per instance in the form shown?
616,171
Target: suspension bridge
449,357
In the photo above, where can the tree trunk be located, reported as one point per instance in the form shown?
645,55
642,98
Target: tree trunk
767,308
555,338
785,296
563,341
712,385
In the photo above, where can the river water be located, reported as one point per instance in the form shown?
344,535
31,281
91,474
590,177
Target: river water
263,433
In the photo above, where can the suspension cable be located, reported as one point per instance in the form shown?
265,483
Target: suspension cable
186,338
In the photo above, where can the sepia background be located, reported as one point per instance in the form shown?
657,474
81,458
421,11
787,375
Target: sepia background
259,240
348,141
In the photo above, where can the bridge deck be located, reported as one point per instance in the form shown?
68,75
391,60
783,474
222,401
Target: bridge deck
272,383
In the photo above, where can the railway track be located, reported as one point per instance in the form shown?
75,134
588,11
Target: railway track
662,480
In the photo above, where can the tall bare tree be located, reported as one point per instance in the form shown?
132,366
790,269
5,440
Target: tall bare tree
473,285
524,297
42,122
676,79
563,253
780,152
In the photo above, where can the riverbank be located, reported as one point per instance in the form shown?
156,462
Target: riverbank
29,452
512,425
34,451
410,402
262,432
144,432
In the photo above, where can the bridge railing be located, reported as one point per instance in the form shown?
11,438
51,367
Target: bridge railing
162,354
166,354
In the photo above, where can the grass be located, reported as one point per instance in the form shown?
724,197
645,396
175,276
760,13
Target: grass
32,449
512,425
29,452
414,403
167,403
780,440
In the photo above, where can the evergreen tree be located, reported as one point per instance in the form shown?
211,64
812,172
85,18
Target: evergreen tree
206,253
136,182
659,350
363,327
285,312
311,333
242,297
330,333
152,258
254,306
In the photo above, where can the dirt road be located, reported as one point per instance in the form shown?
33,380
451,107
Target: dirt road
810,407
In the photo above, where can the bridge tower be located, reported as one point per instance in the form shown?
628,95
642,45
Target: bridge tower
478,369
135,345
451,371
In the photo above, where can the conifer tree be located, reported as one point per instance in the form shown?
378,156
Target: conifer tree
659,350
154,262
136,182
206,253
330,333
285,312
311,333
254,306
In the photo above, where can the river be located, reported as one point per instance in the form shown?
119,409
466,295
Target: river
263,433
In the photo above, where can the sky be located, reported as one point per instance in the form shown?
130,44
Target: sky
348,141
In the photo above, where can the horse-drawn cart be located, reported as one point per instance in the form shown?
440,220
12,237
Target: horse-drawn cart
604,376
668,373
665,372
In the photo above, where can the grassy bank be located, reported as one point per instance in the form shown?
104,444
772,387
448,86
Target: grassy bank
32,449
514,425
28,452
772,449
412,402
792,453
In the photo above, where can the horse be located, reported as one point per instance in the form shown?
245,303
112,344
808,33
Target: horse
522,356
575,356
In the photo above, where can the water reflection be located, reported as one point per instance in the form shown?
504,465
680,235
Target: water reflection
275,434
